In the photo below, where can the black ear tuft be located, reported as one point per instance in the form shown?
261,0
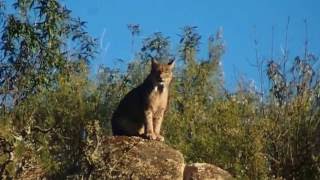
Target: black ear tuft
171,62
154,63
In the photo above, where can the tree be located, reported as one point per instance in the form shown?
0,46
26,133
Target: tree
135,31
44,87
156,46
40,41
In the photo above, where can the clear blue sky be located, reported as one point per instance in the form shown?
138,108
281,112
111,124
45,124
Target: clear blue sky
242,22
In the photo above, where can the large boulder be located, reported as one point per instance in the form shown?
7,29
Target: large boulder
136,158
133,158
205,171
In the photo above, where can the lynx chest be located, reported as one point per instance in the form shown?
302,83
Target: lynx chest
158,98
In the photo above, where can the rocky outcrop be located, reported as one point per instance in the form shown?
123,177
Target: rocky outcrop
137,158
134,158
205,171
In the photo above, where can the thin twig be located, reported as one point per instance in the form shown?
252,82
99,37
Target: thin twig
306,42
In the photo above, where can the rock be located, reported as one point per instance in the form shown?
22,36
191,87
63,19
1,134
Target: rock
136,158
124,157
205,171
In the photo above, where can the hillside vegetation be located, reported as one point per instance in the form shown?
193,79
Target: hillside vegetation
48,100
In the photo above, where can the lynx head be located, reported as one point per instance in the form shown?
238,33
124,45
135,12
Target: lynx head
161,74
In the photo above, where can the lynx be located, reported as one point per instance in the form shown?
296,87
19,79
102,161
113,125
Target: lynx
140,112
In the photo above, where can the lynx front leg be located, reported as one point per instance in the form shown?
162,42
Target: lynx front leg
149,133
157,121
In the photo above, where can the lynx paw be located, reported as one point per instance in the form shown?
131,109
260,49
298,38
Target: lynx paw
160,138
151,136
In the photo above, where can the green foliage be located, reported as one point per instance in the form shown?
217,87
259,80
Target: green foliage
155,47
51,111
35,49
206,124
251,136
50,124
46,97
294,117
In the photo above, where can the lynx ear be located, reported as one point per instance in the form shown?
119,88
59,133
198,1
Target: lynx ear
171,63
154,63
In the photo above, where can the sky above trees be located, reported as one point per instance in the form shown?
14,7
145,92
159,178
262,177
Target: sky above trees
242,22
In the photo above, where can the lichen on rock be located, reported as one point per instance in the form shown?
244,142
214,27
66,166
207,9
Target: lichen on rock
205,171
136,158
